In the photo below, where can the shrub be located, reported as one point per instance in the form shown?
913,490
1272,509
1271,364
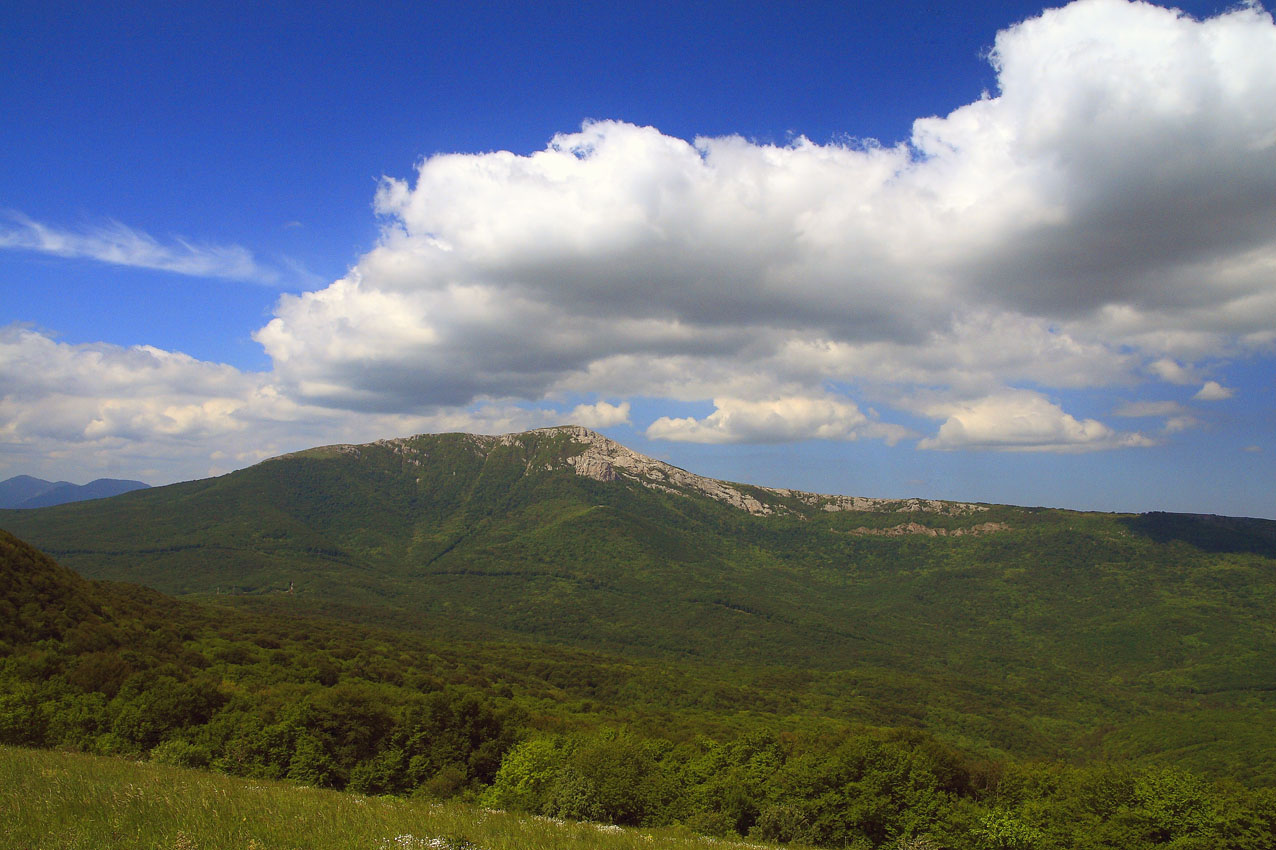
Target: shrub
182,753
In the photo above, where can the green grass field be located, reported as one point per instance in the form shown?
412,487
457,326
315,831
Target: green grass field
61,801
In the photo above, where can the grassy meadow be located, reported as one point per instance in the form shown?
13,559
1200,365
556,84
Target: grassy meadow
68,801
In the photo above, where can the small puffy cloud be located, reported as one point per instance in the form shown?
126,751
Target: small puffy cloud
1173,372
600,415
1175,424
1214,391
1022,421
120,245
776,420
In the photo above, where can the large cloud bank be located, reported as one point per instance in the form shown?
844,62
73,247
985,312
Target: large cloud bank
1112,206
1106,217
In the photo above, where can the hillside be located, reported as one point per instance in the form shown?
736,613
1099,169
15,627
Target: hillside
563,533
112,669
828,757
1031,631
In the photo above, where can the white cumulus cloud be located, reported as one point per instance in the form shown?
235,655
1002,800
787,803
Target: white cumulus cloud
1104,216
1214,391
1172,372
162,415
600,415
1022,421
776,420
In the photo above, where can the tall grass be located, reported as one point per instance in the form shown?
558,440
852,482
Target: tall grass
66,801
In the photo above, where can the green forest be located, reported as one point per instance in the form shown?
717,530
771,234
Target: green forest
476,623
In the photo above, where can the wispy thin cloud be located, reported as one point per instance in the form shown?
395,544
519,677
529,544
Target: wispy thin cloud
118,244
1177,417
1140,409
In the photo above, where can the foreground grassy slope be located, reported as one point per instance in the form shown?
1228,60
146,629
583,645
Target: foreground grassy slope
1054,633
64,801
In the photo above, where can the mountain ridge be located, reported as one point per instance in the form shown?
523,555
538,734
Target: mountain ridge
26,491
604,459
1062,625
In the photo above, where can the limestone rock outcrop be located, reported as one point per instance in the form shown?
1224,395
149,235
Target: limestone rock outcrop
604,459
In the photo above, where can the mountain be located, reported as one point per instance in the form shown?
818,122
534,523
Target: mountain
561,532
1027,630
16,490
24,491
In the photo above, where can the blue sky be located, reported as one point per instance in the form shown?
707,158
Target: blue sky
877,249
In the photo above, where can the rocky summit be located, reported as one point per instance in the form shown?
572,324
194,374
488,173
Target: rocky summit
603,459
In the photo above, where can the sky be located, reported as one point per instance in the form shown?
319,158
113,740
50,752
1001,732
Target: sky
986,251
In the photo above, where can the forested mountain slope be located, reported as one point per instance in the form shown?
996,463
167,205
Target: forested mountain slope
122,670
1031,630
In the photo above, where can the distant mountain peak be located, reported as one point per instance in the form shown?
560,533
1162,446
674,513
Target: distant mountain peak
25,491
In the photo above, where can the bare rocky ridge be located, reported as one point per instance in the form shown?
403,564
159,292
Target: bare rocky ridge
605,460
